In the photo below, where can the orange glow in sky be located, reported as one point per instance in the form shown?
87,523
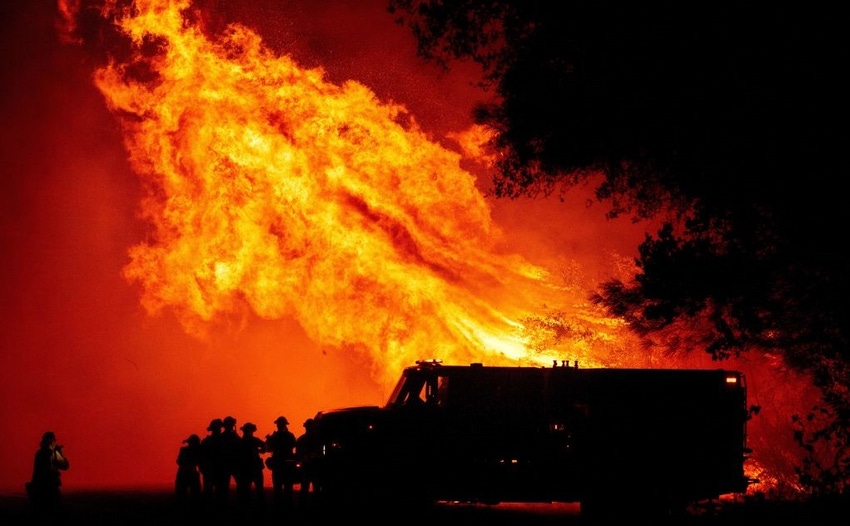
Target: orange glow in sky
282,215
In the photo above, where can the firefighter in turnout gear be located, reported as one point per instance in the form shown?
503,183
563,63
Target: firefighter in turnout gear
281,462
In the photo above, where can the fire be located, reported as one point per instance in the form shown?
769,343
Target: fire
274,192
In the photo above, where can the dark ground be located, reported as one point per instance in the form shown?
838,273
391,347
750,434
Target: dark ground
159,508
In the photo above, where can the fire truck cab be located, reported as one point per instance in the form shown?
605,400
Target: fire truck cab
655,439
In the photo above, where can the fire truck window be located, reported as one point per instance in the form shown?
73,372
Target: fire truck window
442,390
435,391
397,396
415,397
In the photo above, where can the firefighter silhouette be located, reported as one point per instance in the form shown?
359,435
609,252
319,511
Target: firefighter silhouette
308,458
43,488
249,466
281,462
229,451
212,463
187,482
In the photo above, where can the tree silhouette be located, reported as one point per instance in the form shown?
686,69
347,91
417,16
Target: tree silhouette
724,121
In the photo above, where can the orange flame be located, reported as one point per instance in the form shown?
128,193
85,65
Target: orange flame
275,192
272,192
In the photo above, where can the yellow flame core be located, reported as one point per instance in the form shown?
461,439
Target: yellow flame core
274,190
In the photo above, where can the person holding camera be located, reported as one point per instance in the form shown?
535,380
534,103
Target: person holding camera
43,489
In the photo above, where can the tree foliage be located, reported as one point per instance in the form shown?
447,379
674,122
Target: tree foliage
726,121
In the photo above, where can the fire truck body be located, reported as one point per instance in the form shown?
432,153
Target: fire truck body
601,437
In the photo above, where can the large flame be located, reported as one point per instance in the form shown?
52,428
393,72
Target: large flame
273,192
276,192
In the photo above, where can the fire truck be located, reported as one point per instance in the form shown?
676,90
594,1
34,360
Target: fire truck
610,439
